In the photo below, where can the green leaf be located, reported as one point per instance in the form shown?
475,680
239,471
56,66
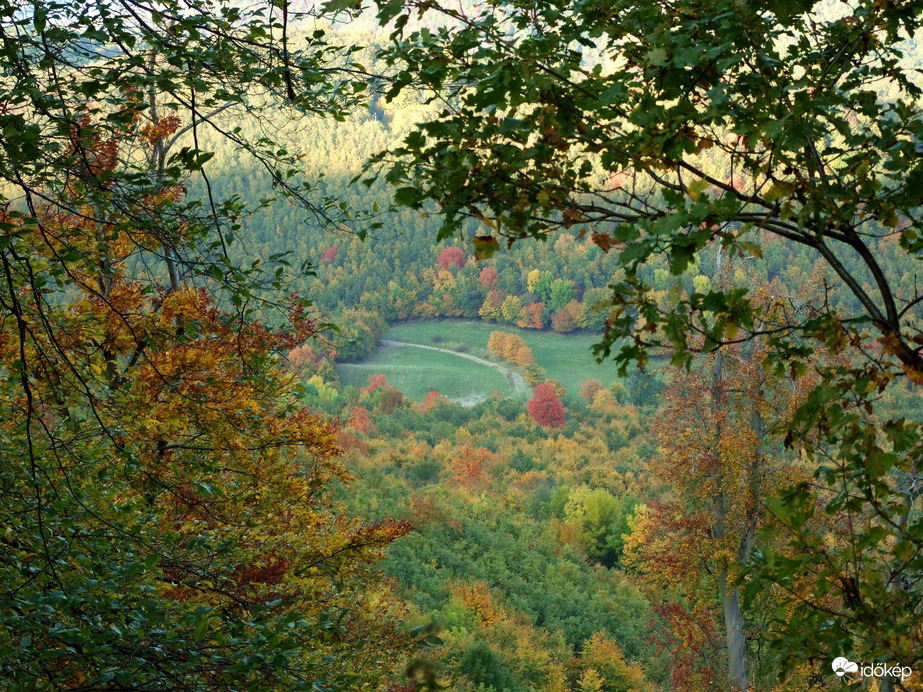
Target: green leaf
485,246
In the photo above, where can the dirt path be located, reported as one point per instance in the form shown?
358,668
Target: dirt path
514,378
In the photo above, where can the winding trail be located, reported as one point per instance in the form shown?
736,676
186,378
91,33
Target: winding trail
514,378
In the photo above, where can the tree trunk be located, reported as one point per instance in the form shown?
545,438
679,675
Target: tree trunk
733,617
734,631
730,601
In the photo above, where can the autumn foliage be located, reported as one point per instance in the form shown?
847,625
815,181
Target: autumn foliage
330,254
375,381
719,456
488,277
469,467
360,421
431,399
451,257
511,347
590,389
545,407
162,450
530,316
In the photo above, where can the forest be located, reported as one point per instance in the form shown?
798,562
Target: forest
485,345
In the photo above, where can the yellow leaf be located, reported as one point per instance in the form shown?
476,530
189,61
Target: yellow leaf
696,189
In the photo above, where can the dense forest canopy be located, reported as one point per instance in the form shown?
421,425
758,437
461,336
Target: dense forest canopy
212,208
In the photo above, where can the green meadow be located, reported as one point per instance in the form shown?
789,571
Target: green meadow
414,371
565,357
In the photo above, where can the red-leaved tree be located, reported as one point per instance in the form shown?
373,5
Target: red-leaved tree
451,257
545,407
432,398
376,381
488,277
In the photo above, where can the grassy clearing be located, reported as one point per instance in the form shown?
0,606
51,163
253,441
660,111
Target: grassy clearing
413,371
566,357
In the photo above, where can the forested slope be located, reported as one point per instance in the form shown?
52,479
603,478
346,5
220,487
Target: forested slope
398,271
